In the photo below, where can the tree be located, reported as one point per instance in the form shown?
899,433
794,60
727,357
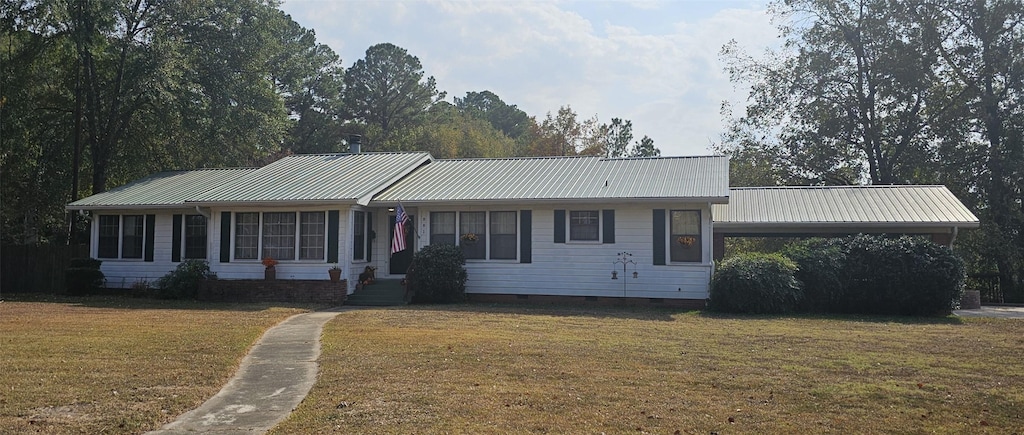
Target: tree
645,148
485,105
386,89
855,87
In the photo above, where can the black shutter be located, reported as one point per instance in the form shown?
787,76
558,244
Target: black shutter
525,236
150,235
559,226
659,236
225,236
370,236
609,226
332,236
176,238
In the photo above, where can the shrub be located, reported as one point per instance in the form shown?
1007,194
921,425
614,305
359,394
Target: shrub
183,281
755,283
903,275
820,265
438,275
83,276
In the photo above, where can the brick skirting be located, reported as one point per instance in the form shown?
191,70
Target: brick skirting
260,290
696,304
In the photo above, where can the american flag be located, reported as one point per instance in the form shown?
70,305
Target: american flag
398,241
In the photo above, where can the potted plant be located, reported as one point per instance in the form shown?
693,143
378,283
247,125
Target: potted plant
335,273
469,239
686,240
270,273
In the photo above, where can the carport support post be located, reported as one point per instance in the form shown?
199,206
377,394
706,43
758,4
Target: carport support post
718,246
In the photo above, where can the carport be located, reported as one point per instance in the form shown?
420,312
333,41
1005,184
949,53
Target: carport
836,211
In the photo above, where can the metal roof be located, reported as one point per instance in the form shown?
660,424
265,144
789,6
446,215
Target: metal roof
759,208
163,189
564,178
317,178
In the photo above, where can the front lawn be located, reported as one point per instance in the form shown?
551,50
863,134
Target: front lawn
114,365
482,369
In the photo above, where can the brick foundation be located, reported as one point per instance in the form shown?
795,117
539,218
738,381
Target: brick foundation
259,290
695,304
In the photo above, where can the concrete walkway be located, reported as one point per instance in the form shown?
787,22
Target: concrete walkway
999,311
271,381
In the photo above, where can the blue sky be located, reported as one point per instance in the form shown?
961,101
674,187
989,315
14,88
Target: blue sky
653,62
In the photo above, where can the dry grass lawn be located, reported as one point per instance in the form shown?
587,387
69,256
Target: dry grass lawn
112,365
483,369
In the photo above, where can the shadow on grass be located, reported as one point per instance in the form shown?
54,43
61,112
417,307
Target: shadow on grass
906,320
127,302
558,310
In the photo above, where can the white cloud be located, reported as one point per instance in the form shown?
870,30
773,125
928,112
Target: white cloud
655,63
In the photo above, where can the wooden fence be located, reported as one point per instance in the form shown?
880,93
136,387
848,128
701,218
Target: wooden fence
36,268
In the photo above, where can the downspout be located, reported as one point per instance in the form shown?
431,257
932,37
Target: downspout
205,215
956,230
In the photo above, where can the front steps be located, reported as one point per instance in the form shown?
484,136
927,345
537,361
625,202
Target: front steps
384,292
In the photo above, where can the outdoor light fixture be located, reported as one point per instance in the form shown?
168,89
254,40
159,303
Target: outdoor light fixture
615,274
391,209
635,275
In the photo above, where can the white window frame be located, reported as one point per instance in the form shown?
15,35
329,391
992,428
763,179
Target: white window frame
297,246
568,228
184,238
487,233
120,237
672,238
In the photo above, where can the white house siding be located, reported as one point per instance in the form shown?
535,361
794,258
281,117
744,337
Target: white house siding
124,273
584,269
286,270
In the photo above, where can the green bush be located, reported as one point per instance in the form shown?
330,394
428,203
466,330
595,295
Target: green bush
820,264
755,283
438,275
905,276
183,281
83,276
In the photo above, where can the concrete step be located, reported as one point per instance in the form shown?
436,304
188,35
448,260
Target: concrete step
381,293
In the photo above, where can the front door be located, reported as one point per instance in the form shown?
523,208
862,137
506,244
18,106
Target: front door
400,260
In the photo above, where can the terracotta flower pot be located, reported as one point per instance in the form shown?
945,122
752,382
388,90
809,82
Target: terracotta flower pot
270,273
335,274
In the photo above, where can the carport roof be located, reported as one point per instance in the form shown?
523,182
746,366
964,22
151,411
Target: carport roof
803,209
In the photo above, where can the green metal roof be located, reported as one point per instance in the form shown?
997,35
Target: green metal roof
163,189
851,207
565,178
317,178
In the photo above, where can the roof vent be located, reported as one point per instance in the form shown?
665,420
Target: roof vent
354,147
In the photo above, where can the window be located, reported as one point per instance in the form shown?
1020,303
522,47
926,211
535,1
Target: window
473,234
132,236
442,227
684,237
279,236
195,236
584,225
124,236
274,235
110,228
247,236
312,235
359,236
503,235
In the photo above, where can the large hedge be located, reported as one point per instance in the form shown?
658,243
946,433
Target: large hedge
905,275
820,264
861,274
83,276
755,283
438,275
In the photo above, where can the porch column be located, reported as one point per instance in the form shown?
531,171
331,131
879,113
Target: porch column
718,246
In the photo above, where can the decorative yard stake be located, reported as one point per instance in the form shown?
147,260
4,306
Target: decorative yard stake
624,258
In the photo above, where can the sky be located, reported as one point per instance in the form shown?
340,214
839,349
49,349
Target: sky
653,62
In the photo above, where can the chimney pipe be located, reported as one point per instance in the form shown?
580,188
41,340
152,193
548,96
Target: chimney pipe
354,147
